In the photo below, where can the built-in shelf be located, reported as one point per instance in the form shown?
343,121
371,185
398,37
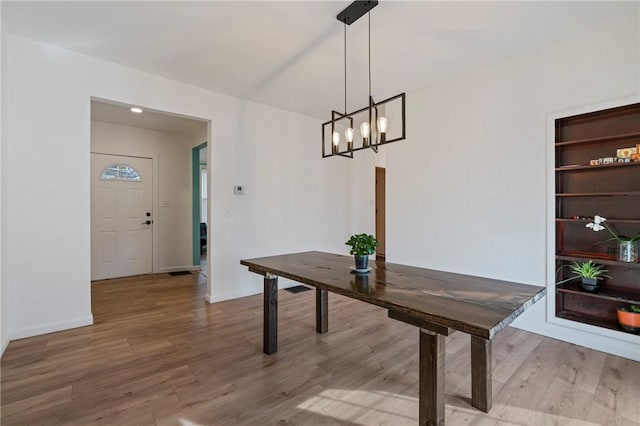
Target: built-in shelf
612,325
620,137
594,168
585,190
560,219
600,257
605,294
599,194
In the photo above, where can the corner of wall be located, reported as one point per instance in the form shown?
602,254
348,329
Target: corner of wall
4,331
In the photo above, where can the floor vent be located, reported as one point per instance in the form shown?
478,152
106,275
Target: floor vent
178,273
297,289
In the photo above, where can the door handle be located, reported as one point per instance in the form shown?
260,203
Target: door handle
148,222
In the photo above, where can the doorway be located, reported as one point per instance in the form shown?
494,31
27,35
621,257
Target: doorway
121,216
200,204
381,212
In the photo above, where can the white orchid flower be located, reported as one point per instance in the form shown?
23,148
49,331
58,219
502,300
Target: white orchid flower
599,219
595,226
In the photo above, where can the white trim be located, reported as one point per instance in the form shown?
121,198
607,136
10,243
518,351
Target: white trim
208,298
51,328
5,343
605,340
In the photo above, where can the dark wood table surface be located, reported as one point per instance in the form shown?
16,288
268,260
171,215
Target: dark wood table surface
435,301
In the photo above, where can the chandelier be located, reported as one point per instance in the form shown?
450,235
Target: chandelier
379,123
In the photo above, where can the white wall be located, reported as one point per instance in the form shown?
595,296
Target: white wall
293,200
171,154
4,331
467,191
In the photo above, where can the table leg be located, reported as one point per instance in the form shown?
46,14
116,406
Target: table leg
322,311
270,320
431,396
481,373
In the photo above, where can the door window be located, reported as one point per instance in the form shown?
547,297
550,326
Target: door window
120,172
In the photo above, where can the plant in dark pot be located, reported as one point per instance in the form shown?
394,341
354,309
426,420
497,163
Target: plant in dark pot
629,318
362,245
590,273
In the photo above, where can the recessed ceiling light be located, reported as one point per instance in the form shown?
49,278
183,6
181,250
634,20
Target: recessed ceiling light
136,110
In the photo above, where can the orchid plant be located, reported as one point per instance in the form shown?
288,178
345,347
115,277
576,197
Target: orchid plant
600,223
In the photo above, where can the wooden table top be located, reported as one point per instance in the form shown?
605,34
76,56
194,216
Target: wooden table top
474,305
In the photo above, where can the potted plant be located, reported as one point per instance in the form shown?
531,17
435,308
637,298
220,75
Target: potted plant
590,273
362,245
627,246
629,318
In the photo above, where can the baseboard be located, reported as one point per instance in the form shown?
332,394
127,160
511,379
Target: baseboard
221,297
51,328
5,343
168,269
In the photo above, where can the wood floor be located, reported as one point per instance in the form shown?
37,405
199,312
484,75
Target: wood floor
158,354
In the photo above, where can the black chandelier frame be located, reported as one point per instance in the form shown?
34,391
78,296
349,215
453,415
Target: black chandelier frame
373,118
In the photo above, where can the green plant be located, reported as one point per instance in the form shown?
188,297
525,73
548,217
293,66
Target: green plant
633,308
362,244
588,269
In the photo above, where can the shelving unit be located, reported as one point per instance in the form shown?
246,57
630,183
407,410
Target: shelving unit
583,191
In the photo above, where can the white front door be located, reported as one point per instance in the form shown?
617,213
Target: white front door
121,216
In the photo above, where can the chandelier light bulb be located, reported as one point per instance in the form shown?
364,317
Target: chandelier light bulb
336,142
348,135
382,124
364,129
382,128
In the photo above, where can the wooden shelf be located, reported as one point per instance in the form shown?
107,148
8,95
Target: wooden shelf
598,167
600,139
599,194
600,257
591,321
616,296
559,219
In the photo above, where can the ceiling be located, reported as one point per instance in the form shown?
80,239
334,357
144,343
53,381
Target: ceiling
121,114
290,54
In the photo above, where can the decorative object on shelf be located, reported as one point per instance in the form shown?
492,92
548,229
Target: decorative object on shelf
607,160
593,162
376,119
634,158
627,246
629,318
589,273
626,152
628,251
362,246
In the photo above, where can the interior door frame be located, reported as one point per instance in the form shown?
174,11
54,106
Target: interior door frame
383,171
196,208
155,204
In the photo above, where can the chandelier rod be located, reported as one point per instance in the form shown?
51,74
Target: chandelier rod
345,68
369,18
